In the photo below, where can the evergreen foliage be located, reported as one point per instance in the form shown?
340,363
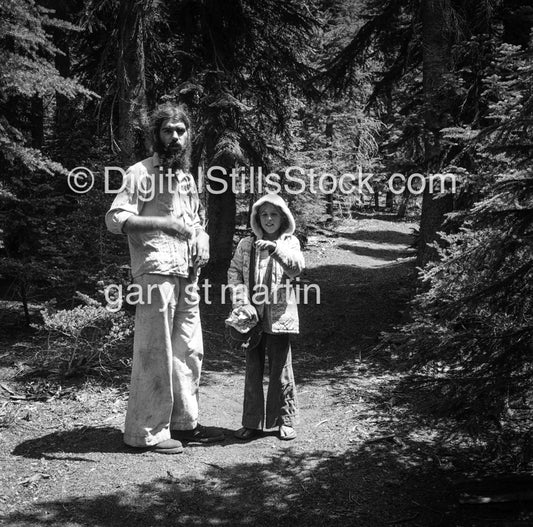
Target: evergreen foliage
32,192
28,71
472,327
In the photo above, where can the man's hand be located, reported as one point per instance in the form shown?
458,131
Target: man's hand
201,248
266,245
176,227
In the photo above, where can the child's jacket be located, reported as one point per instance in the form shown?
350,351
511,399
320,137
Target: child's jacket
280,301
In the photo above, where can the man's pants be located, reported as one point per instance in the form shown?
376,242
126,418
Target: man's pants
167,360
281,396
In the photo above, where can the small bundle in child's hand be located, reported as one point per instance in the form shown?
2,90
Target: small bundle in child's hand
242,330
241,321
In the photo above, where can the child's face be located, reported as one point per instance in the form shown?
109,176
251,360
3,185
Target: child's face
270,218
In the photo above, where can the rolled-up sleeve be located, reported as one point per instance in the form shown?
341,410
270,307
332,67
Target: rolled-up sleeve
125,204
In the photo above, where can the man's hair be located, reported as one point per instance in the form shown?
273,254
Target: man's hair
177,113
167,111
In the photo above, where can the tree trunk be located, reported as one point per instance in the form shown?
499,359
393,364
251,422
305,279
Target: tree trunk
389,200
436,55
221,211
24,300
131,81
402,208
329,135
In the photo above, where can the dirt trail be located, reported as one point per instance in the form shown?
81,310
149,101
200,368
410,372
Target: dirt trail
356,460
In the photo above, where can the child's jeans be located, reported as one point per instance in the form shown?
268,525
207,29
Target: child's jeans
281,406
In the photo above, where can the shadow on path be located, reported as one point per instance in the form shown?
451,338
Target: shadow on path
84,440
382,236
367,488
379,484
59,445
377,252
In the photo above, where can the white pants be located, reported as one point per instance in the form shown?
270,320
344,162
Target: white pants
167,360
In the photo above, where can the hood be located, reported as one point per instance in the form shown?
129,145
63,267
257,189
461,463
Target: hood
277,200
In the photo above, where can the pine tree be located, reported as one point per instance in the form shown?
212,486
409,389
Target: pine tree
28,74
237,66
29,177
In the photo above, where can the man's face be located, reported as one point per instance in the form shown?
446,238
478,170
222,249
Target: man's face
174,136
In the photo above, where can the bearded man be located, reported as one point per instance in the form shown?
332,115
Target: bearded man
158,209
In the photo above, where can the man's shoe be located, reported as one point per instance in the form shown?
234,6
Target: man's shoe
200,434
168,446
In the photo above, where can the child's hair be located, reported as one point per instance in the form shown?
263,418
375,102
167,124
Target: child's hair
284,224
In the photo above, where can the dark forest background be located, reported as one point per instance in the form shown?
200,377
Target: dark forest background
415,86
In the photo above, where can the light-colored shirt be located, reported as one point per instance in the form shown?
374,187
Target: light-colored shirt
148,191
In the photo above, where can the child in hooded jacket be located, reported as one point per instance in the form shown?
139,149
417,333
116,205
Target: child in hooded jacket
278,259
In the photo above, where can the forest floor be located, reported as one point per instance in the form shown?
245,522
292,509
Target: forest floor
366,455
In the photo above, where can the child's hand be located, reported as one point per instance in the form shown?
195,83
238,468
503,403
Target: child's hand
243,318
249,311
266,245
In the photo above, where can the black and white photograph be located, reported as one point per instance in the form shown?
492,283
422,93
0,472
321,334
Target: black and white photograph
266,263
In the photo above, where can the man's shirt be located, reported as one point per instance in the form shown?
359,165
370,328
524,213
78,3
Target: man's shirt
148,191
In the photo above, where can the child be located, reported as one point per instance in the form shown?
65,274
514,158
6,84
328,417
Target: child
277,259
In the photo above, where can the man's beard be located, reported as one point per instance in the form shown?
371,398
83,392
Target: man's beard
173,156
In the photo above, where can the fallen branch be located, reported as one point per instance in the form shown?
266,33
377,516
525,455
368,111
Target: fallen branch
11,392
525,495
34,479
